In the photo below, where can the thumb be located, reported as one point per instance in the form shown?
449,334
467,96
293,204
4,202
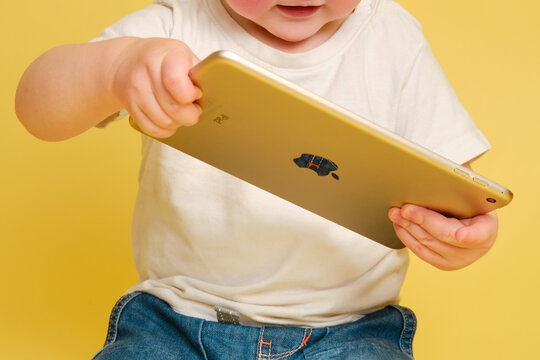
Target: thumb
479,231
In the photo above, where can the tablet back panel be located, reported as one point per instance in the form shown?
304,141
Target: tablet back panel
304,149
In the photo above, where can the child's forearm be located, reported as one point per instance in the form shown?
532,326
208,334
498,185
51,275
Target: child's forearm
69,89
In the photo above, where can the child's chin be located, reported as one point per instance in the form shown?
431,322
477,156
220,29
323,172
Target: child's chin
294,36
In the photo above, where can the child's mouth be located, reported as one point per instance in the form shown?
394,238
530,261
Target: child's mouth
298,11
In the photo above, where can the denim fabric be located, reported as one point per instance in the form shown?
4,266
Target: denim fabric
146,328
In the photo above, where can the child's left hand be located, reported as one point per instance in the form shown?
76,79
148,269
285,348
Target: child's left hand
446,243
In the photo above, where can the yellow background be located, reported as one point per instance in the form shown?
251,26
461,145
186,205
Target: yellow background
65,207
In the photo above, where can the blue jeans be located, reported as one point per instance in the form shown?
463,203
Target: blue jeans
146,328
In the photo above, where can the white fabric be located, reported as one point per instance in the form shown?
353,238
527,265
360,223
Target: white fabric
203,238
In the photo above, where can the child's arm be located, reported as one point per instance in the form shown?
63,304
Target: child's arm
446,243
71,88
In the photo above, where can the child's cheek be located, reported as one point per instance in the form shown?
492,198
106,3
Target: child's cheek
250,8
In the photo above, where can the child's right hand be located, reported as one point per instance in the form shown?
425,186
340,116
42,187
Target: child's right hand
150,78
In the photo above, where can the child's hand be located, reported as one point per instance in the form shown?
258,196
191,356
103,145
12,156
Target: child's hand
446,243
151,80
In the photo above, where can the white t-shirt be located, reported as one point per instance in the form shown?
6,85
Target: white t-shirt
203,238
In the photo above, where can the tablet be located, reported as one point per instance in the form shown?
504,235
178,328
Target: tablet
296,145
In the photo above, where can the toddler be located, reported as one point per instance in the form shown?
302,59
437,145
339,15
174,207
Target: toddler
228,271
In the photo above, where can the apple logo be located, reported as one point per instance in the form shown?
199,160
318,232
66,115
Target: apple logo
320,165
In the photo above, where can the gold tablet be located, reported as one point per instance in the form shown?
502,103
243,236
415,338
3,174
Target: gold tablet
294,144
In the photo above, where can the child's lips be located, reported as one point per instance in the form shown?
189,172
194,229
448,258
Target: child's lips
298,11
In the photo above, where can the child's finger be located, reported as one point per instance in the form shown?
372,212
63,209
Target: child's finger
148,103
444,249
420,250
480,230
175,77
148,126
439,226
178,114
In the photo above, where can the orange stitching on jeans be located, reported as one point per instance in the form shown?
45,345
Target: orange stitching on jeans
306,339
261,343
282,355
286,354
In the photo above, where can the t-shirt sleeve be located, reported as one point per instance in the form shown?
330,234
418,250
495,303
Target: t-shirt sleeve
432,116
153,21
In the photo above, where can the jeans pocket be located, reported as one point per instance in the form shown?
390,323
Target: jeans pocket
409,329
112,330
